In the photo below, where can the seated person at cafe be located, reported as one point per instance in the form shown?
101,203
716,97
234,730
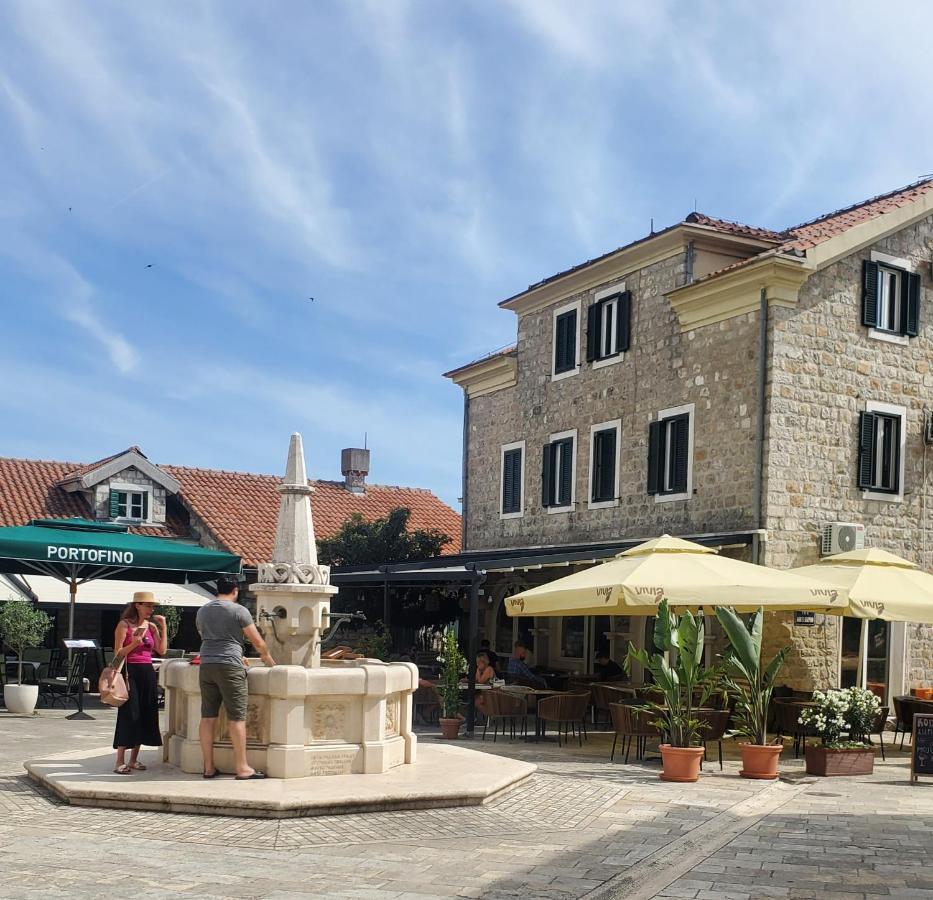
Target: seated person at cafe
485,673
518,671
606,667
493,657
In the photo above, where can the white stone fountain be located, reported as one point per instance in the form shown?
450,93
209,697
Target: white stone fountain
305,717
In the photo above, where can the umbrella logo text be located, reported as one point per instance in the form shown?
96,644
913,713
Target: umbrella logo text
604,592
656,592
90,554
517,603
825,592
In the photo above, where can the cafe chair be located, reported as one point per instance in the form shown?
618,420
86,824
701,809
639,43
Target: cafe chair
60,690
903,718
427,703
630,722
509,709
713,725
878,728
568,712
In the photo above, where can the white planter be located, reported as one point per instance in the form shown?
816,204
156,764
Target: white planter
21,698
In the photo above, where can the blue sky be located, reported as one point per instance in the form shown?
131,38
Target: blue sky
178,179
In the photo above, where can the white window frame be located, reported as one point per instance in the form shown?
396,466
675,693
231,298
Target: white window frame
559,436
604,426
126,488
891,409
516,445
600,363
894,262
690,409
578,306
568,663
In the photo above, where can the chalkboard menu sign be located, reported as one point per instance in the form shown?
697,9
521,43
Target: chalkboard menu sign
921,760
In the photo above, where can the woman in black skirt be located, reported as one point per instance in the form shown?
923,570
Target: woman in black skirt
138,719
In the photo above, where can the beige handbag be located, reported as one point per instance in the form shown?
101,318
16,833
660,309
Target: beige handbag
112,685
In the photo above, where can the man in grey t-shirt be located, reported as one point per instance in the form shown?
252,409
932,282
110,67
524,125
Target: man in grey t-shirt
222,624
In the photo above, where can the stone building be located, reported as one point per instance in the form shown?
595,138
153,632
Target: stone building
740,386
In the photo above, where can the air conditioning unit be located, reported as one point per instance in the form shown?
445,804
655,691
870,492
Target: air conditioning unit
840,537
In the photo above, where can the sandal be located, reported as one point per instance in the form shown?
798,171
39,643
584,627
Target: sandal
255,775
123,770
138,766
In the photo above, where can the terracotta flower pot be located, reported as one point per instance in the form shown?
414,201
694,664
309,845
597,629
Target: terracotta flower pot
450,728
681,763
760,760
826,761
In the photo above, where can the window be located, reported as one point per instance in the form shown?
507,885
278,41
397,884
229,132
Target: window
881,451
890,297
557,488
512,500
127,504
565,341
604,464
608,325
670,454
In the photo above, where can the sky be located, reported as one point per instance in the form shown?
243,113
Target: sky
179,179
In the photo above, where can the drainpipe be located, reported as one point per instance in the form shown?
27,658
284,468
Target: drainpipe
758,501
465,478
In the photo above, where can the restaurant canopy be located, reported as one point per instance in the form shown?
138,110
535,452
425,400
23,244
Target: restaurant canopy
104,592
686,574
78,550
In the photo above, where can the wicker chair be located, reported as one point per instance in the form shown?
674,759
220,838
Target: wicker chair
903,718
630,722
427,703
713,725
878,728
566,710
507,708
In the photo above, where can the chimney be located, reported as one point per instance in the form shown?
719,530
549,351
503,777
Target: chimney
354,464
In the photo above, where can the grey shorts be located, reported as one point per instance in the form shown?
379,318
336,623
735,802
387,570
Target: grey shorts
223,682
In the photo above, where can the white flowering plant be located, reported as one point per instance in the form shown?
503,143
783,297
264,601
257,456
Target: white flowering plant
851,711
454,666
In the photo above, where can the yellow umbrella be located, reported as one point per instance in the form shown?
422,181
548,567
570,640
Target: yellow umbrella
687,574
879,585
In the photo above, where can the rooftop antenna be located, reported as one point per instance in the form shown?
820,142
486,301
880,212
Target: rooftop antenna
652,225
694,204
365,438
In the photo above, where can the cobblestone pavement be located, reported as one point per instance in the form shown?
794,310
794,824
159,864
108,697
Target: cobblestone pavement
580,827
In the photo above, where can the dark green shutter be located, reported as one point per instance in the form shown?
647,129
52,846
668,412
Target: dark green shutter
655,456
593,322
681,453
511,481
624,321
145,505
597,467
867,423
870,294
604,457
570,337
911,304
114,505
547,474
507,482
565,487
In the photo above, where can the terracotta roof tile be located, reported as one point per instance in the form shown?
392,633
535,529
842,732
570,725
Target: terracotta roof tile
239,508
737,228
90,467
511,350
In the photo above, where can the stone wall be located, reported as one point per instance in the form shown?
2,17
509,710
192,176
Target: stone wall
824,368
712,367
101,496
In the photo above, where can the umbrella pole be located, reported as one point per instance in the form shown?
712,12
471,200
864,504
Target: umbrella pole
863,655
72,592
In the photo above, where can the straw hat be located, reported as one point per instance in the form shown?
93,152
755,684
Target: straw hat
145,597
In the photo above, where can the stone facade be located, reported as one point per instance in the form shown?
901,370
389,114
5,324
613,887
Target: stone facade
823,367
712,368
130,476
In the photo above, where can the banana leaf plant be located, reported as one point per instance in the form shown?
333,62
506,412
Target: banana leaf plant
745,680
684,684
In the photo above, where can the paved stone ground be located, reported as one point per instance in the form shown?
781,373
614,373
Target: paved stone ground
581,827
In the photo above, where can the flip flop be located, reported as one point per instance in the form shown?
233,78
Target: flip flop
213,774
123,770
256,774
138,766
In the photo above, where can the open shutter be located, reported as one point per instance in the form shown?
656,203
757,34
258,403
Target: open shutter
570,340
867,423
680,454
870,294
593,321
896,437
507,479
654,457
547,473
114,505
146,506
566,473
623,321
911,304
597,464
604,455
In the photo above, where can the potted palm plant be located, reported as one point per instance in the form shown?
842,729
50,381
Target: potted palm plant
685,686
454,665
851,712
751,687
22,627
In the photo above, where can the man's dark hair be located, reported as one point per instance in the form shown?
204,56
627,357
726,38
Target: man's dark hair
227,585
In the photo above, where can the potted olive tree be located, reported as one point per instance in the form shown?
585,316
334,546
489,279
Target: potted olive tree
751,688
454,665
685,686
851,712
22,627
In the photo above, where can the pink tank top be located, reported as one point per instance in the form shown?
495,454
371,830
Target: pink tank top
143,653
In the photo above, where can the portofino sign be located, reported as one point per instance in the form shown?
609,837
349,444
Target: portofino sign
89,554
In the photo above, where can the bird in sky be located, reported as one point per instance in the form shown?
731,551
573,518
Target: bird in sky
149,265
311,299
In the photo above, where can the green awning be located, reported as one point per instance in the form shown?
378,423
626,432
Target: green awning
83,550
